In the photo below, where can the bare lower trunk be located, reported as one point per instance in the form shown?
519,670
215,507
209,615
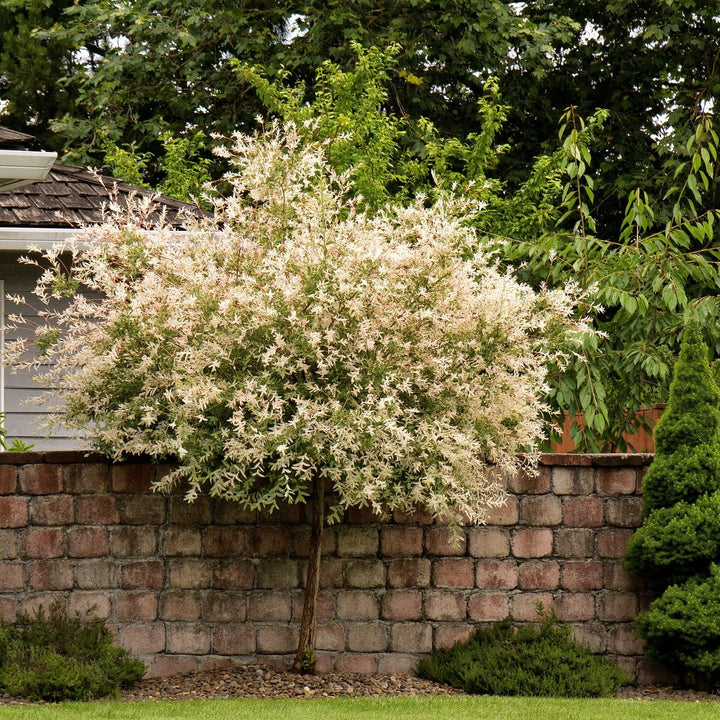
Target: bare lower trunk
305,659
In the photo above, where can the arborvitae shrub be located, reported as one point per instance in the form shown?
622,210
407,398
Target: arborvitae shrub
57,657
687,436
680,537
531,661
682,627
684,475
677,541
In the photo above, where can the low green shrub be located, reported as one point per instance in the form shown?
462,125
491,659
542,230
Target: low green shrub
533,661
59,657
682,627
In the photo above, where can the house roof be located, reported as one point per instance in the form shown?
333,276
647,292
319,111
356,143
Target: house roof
71,197
14,140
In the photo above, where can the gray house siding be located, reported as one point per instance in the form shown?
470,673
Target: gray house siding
25,419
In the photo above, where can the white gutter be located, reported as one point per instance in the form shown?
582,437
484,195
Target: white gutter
22,239
22,167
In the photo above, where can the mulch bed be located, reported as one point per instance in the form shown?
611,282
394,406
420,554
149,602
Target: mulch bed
257,681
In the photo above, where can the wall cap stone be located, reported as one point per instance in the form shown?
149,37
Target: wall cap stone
596,459
547,459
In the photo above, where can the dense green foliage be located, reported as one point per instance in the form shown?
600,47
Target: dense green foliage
56,657
33,72
679,541
664,265
682,627
687,437
129,71
532,661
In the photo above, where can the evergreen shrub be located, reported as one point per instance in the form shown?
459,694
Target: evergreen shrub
59,657
679,541
687,436
532,661
683,627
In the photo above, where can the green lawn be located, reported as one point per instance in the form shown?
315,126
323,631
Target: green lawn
437,708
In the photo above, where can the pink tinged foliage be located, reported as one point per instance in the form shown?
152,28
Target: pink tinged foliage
294,336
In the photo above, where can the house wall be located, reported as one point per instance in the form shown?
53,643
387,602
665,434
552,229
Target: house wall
197,586
24,419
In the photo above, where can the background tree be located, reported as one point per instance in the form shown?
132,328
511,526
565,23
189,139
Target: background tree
34,72
298,347
644,280
138,69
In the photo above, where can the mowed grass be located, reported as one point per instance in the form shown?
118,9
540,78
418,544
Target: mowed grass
433,708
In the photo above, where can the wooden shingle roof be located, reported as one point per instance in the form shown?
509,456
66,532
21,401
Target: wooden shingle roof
14,140
73,197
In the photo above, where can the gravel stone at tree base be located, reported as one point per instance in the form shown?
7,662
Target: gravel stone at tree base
259,681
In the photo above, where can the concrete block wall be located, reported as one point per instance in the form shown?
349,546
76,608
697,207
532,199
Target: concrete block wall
205,585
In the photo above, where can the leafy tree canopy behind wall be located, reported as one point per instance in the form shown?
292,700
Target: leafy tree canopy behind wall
130,71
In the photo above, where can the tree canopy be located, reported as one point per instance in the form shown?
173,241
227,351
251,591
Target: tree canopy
130,71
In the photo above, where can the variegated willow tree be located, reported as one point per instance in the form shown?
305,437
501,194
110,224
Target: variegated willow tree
296,348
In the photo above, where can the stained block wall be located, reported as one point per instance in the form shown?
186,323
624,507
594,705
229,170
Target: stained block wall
198,586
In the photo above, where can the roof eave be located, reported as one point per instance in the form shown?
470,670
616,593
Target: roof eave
22,167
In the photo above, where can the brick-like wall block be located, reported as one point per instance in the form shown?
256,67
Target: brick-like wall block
88,542
277,639
142,574
8,479
365,573
402,605
401,541
583,511
52,510
357,542
233,639
454,573
45,543
40,479
616,481
367,638
13,512
409,572
540,510
358,605
411,638
488,607
445,606
488,542
543,575
532,543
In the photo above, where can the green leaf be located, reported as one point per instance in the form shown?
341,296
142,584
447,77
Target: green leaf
669,297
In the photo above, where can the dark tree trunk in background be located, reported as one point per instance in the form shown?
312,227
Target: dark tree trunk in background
304,659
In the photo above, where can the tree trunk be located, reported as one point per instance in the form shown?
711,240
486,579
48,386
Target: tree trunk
305,659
